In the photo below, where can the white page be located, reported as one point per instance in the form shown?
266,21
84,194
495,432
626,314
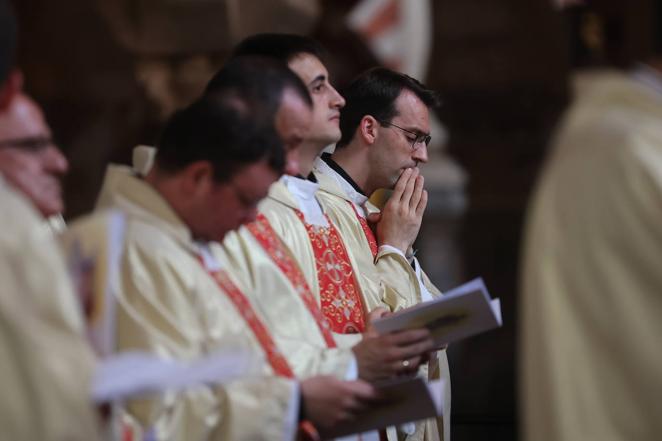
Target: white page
134,374
496,310
406,400
462,312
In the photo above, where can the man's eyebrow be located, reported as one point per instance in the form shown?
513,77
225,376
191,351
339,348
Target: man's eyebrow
415,130
318,78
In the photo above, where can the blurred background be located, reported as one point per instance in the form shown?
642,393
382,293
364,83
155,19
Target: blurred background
108,73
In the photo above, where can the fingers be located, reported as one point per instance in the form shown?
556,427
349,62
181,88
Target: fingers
422,203
378,313
407,365
408,337
409,188
407,344
418,348
417,194
362,390
359,396
401,184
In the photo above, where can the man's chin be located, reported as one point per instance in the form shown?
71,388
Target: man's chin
48,210
332,137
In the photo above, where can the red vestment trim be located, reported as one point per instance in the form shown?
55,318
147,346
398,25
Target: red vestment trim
274,247
276,359
369,235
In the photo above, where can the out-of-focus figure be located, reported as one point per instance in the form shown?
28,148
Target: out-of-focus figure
45,363
591,282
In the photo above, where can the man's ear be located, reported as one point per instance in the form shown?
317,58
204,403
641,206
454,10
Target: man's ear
198,177
10,88
368,129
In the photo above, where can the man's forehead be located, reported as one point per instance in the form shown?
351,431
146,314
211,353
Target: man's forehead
23,118
308,67
412,110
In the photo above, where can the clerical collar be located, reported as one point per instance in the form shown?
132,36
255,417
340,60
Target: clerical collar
311,177
303,191
326,157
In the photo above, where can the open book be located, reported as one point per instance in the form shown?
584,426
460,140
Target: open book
402,400
460,313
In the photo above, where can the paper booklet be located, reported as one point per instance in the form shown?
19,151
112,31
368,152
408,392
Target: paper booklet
460,313
136,374
402,400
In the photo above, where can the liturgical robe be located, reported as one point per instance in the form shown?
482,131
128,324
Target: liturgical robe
591,289
46,366
347,208
170,305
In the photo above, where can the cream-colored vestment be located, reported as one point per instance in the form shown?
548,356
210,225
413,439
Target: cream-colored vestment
169,305
591,293
406,286
46,366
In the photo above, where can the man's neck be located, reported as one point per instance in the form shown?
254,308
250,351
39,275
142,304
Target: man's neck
307,156
167,188
356,166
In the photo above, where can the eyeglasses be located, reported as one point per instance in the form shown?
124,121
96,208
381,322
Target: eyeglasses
421,138
32,143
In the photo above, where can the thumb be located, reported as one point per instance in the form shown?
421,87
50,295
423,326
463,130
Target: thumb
374,218
378,313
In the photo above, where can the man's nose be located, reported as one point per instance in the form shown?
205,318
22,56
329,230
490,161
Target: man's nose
421,154
55,161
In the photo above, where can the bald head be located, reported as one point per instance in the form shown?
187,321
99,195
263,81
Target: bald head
28,158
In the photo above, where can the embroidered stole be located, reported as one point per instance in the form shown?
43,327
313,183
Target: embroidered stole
340,295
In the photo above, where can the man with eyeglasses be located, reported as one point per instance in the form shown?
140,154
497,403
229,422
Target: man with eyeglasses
45,363
347,292
29,159
385,132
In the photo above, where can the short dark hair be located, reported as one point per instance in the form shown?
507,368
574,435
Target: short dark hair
221,130
260,81
8,39
374,93
283,47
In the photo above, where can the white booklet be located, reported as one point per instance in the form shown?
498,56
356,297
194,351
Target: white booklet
460,313
402,400
136,374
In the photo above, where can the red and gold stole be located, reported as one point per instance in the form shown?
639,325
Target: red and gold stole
279,364
276,249
274,356
340,294
369,235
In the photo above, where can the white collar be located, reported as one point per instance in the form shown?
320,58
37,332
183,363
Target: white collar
301,188
303,192
354,196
